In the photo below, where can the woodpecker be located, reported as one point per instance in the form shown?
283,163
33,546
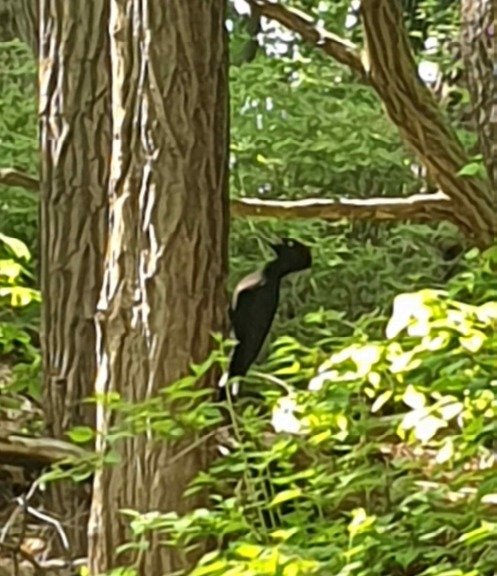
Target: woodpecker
254,303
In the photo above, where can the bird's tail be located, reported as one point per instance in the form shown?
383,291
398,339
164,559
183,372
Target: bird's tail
224,382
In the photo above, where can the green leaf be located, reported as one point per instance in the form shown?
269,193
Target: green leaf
249,551
81,434
17,247
472,169
285,496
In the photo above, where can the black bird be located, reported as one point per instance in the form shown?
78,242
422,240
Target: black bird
254,303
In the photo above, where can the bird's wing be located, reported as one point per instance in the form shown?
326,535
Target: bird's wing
244,287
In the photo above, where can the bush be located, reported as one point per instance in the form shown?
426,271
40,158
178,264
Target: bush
375,459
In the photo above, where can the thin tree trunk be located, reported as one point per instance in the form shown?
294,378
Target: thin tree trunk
164,283
75,145
479,51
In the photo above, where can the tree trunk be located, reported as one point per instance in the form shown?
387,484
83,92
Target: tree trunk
75,146
164,281
19,19
480,62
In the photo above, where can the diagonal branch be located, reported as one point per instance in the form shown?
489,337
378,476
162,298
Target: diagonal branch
412,108
338,48
390,69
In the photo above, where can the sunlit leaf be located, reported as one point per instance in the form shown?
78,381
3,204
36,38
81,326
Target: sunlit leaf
446,452
413,398
283,418
10,269
474,341
211,568
486,530
16,246
250,551
451,410
365,357
427,427
411,312
487,312
360,522
285,496
317,439
284,535
342,422
381,400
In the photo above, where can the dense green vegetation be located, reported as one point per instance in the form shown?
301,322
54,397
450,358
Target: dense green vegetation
373,452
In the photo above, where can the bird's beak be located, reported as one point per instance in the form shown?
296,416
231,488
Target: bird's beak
275,247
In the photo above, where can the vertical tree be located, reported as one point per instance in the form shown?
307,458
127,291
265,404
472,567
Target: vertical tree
164,281
75,144
478,48
20,18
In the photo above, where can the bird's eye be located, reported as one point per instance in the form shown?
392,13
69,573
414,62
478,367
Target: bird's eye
290,243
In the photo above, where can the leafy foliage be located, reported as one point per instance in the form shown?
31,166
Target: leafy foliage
376,459
371,455
16,294
18,139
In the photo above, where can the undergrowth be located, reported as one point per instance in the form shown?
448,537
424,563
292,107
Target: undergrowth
374,459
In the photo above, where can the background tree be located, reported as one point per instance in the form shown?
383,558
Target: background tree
75,143
478,50
309,139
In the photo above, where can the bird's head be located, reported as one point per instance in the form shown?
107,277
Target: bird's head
292,255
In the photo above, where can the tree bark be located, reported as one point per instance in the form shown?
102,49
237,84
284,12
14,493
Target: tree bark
166,268
478,49
20,19
75,145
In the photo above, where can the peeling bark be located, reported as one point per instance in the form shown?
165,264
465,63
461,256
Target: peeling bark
166,267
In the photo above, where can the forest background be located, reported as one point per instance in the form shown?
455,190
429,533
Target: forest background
383,461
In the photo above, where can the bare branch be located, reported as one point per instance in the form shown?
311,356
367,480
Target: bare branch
13,177
36,452
421,207
340,49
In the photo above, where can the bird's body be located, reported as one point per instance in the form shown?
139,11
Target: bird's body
255,301
253,309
